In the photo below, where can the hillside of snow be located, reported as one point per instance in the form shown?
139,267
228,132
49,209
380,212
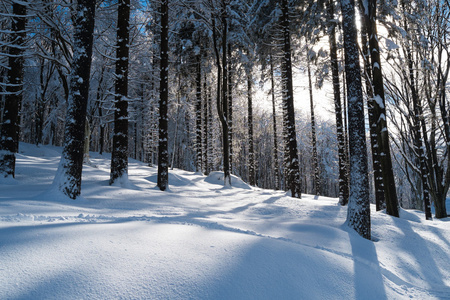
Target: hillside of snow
201,240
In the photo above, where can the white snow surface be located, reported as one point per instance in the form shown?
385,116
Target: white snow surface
201,240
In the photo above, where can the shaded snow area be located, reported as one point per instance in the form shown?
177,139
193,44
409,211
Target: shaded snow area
201,240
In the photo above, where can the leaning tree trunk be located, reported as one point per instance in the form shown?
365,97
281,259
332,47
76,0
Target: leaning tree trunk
342,145
292,164
68,176
358,216
10,129
119,155
163,153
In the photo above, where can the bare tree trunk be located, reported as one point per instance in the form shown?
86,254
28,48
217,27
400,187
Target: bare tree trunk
313,135
384,151
292,164
374,143
206,129
68,176
251,152
10,127
163,154
222,91
358,216
276,166
119,155
230,104
198,115
342,146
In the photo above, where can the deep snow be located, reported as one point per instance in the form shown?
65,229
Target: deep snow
201,240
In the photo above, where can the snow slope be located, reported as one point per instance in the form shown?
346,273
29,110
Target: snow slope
201,240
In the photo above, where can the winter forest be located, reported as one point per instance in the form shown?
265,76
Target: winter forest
224,149
212,85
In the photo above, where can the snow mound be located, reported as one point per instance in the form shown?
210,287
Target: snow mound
217,177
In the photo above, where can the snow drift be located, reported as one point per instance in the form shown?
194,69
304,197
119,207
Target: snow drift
201,240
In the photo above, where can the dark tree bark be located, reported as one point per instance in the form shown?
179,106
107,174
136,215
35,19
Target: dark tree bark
210,132
342,146
206,106
313,136
251,152
358,216
198,114
119,155
68,177
276,167
384,152
163,153
10,127
230,104
374,143
225,102
222,91
292,165
99,108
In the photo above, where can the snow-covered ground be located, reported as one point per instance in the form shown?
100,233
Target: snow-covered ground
201,240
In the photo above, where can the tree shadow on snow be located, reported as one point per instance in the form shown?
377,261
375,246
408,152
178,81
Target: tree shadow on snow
368,279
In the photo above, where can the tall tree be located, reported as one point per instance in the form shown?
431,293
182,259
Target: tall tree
292,164
418,126
230,78
119,156
358,216
274,124
206,124
222,86
342,145
379,109
374,143
313,131
198,113
10,127
68,176
251,151
163,154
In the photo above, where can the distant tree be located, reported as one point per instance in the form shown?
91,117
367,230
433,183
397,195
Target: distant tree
316,168
68,176
276,166
358,216
163,154
10,127
119,155
198,113
251,151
